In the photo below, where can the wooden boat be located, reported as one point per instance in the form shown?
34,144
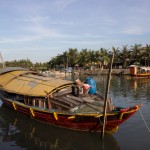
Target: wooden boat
31,134
139,72
59,102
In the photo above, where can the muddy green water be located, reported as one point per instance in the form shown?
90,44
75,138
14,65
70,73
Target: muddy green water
18,132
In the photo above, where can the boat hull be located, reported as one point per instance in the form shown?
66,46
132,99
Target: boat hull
82,122
141,75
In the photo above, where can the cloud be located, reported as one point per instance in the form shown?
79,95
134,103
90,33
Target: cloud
32,34
43,31
134,30
17,39
36,19
62,4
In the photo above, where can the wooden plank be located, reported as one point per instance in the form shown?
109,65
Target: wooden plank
72,101
75,98
61,92
63,99
59,104
95,97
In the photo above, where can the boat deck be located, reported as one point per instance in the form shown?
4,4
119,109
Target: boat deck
64,101
83,103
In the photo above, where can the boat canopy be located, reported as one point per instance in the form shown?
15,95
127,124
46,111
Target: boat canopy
145,68
31,83
142,68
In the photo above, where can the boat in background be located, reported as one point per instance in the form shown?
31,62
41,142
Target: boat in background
139,72
63,103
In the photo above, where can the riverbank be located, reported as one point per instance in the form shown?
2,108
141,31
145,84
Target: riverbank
103,72
87,72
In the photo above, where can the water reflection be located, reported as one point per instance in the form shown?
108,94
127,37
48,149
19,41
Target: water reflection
125,90
141,86
18,131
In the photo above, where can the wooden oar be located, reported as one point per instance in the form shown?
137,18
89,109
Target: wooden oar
106,94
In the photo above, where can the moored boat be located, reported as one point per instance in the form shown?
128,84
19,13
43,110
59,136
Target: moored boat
59,102
139,72
31,134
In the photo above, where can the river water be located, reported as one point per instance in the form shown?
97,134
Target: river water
18,132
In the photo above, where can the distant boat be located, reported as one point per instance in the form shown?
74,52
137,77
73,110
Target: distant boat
59,102
139,72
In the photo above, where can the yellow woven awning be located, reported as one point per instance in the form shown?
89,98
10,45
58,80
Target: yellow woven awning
30,83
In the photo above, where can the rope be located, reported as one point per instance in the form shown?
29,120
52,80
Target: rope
102,121
144,120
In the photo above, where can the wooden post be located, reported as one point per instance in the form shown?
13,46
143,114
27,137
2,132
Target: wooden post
33,102
49,103
106,94
3,63
72,74
48,100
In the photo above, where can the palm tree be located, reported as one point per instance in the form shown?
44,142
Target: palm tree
92,56
52,63
83,57
147,55
136,53
104,58
125,55
72,57
116,55
98,58
65,56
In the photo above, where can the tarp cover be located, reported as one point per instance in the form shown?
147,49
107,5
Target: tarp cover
25,82
145,68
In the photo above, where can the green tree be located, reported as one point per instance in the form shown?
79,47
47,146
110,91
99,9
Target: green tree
147,55
116,52
104,57
83,57
136,53
65,58
125,56
73,57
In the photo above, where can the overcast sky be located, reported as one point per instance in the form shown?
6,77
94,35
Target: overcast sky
41,29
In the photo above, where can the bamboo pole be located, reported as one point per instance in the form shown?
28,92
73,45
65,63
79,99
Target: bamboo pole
3,63
106,94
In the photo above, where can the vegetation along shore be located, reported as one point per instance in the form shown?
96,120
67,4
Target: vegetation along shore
91,60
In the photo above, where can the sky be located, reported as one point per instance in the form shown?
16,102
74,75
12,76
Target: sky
41,29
